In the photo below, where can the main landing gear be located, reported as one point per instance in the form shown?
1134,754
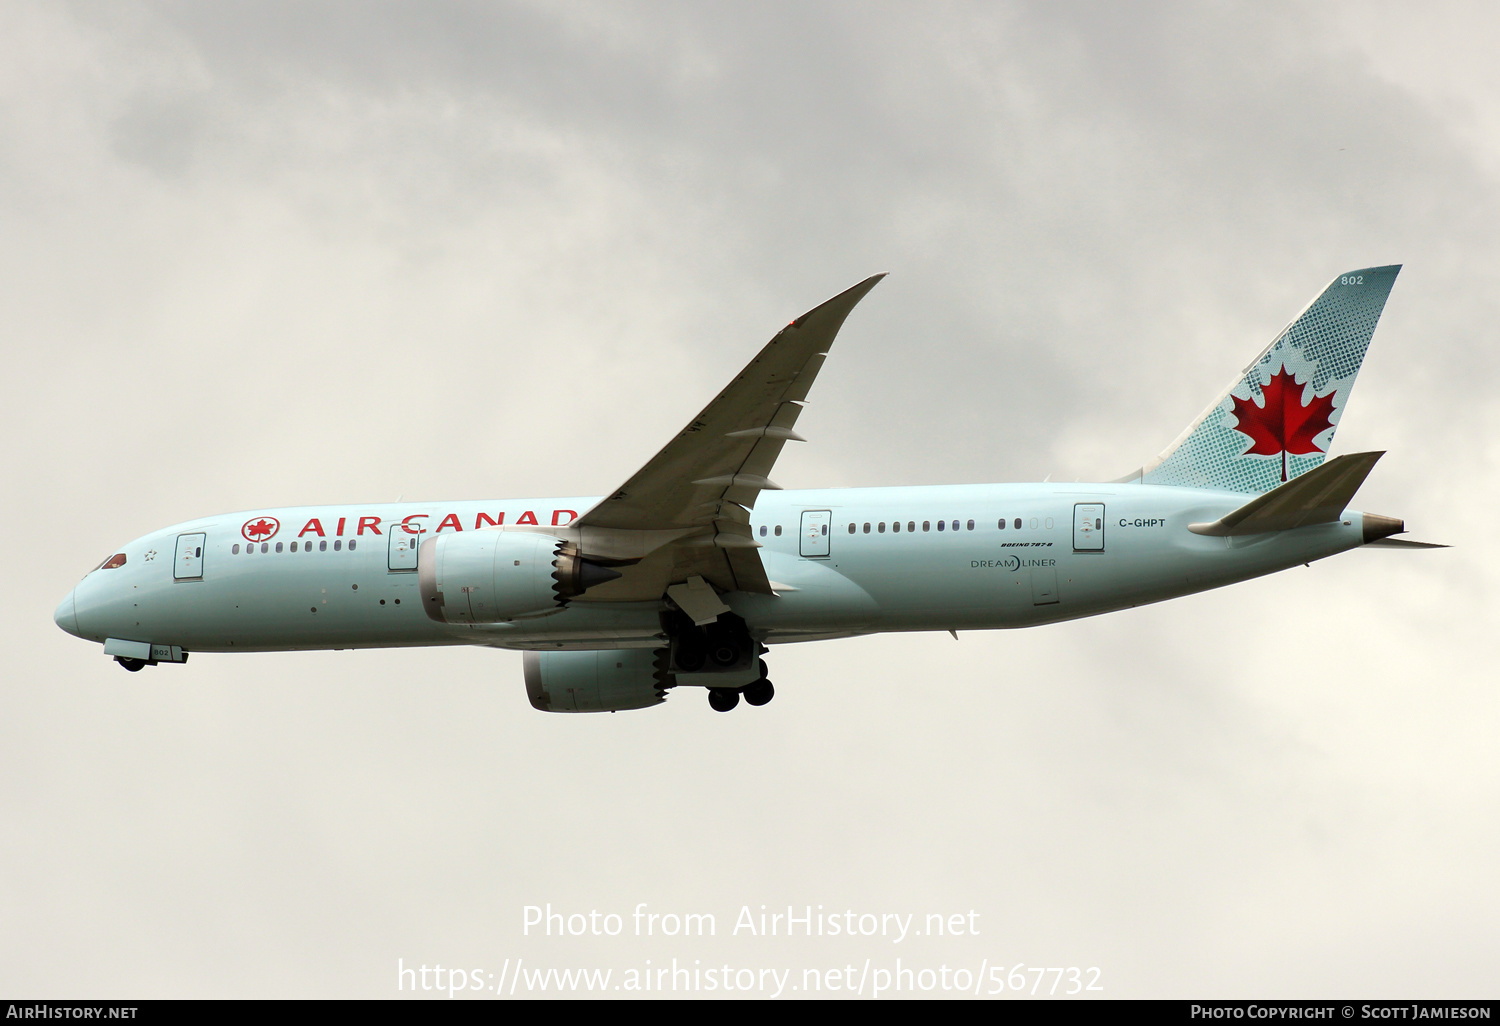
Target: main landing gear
724,650
758,693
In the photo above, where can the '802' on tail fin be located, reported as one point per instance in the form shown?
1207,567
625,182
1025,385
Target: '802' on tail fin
1277,420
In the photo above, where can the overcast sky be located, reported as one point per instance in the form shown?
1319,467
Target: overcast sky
302,253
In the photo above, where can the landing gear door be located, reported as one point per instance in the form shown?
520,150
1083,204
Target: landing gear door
1088,527
404,542
188,565
814,535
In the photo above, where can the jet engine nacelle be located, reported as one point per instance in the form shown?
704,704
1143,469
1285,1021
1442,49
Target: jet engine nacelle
490,576
487,576
597,681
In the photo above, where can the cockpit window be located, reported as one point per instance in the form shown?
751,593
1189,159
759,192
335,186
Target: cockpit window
117,560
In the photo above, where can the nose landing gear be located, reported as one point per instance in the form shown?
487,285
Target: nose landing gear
152,655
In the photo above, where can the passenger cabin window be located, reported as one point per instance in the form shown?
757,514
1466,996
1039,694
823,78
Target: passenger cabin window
351,544
881,527
778,532
926,525
896,527
867,527
762,530
235,550
1016,523
278,546
337,544
942,525
265,547
323,546
851,528
971,525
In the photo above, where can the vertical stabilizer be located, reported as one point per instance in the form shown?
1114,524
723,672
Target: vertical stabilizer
1277,420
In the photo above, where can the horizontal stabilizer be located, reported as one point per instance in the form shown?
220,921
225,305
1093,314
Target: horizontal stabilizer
1317,497
1402,543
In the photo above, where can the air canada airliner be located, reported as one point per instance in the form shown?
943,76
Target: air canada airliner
687,573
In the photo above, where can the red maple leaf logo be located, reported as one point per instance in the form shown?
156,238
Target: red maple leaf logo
1283,425
265,527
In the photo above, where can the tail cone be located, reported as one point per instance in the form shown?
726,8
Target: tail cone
1377,527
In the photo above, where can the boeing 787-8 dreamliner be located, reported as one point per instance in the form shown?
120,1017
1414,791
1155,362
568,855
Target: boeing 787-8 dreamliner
685,574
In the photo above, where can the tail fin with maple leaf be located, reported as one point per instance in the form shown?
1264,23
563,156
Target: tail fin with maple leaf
1277,420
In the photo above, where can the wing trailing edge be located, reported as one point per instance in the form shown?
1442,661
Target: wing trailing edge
690,504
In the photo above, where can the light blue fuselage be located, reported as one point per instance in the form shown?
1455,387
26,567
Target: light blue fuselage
324,596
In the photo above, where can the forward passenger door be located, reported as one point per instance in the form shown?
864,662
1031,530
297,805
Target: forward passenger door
188,566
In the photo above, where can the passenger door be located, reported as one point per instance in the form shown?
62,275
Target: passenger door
402,548
814,537
1088,527
188,566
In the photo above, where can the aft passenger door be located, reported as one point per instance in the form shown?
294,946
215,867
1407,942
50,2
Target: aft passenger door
1088,527
814,537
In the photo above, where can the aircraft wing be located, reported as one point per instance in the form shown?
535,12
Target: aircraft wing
699,490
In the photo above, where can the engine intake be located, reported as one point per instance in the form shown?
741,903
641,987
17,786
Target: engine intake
493,576
597,681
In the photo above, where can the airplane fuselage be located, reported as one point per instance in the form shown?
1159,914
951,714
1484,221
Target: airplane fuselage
842,562
686,572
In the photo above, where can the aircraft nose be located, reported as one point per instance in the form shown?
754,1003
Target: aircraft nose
66,616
